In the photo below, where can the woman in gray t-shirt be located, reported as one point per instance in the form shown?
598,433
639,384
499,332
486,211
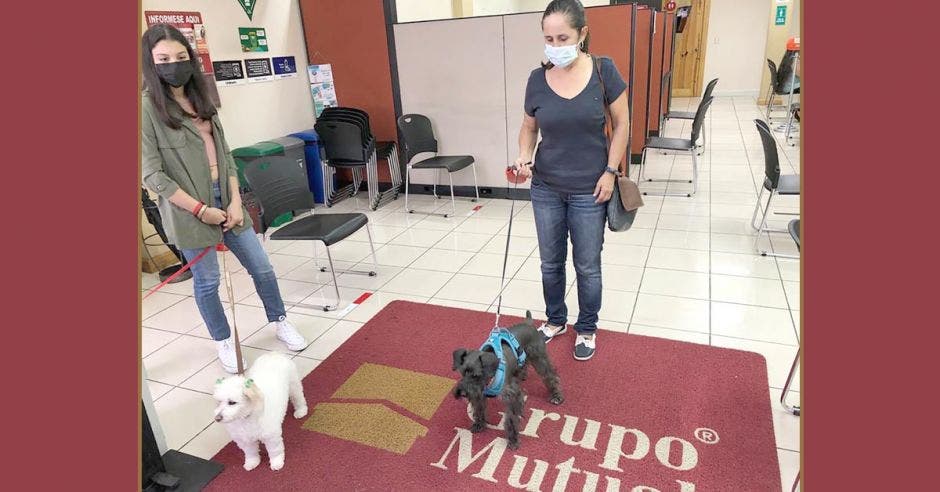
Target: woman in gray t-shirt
573,173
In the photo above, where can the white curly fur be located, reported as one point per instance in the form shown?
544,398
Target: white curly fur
252,407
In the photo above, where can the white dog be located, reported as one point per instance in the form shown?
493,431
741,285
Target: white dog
253,406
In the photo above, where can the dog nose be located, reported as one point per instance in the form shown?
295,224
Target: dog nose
218,418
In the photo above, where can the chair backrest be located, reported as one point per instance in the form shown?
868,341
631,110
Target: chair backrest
349,117
280,187
771,160
774,83
341,140
794,228
709,88
349,113
417,135
700,117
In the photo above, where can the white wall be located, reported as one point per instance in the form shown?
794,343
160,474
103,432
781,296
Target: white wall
500,7
737,36
419,10
254,112
795,20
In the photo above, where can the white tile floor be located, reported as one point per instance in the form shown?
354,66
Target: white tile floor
686,271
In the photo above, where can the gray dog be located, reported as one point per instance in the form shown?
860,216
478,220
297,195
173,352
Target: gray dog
486,373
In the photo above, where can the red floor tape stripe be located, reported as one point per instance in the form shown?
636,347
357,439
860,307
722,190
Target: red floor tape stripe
180,271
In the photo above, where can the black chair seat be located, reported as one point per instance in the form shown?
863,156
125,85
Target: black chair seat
681,115
794,228
450,162
668,143
329,228
787,184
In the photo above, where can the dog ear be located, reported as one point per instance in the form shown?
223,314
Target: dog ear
489,363
251,392
459,356
528,318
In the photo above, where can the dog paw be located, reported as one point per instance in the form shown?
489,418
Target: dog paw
477,427
557,400
277,463
251,463
300,412
514,444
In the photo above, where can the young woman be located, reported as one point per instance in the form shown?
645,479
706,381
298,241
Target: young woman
187,162
574,174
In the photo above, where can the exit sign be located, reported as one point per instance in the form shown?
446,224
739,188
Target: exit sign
781,17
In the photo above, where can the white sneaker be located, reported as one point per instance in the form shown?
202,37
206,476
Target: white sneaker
227,356
585,346
550,331
290,336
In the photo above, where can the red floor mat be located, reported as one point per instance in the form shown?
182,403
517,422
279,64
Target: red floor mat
644,415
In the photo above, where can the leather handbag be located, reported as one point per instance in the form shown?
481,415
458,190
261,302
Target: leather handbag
626,198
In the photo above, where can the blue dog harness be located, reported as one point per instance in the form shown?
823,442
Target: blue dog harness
495,342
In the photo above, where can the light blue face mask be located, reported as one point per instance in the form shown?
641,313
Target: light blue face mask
561,56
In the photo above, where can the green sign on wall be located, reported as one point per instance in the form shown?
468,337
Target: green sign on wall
253,39
248,6
781,17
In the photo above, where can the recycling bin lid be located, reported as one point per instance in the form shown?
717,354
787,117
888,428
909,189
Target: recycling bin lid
259,149
309,136
287,143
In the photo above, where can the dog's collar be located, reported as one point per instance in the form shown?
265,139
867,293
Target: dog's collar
495,341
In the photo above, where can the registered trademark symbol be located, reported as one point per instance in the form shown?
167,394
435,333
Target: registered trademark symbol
706,435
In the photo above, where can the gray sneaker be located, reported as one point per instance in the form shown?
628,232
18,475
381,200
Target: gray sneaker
550,331
584,346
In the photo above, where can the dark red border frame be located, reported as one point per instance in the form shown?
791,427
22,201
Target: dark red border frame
70,246
71,356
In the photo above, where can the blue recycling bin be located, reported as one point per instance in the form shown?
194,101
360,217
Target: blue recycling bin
314,167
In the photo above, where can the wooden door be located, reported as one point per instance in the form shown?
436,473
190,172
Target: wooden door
690,50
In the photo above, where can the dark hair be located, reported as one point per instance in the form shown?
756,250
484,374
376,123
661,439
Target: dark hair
159,90
573,10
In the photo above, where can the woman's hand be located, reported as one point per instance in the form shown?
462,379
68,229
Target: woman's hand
523,167
213,216
235,216
604,188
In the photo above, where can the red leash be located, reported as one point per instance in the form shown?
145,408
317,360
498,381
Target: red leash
181,270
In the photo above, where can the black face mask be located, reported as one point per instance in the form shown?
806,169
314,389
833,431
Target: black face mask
177,74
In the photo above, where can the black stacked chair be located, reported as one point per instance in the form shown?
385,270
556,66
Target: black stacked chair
780,85
687,115
678,144
282,189
418,137
347,142
774,183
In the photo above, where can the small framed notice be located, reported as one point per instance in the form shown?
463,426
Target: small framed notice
228,72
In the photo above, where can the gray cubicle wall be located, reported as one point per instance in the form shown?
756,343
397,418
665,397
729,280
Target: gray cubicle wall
452,71
469,76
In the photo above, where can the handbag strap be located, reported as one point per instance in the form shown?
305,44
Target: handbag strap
608,125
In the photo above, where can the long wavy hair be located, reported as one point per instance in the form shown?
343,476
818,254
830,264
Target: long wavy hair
159,91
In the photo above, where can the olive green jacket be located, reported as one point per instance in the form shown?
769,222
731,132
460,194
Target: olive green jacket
176,159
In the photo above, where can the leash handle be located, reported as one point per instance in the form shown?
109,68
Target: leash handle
512,213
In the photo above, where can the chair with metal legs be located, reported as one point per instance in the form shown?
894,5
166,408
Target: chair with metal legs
418,137
774,184
687,115
284,189
678,144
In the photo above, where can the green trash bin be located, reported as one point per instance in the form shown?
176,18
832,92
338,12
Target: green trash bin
287,151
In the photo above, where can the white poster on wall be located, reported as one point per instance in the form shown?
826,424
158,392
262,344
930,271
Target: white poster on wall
321,87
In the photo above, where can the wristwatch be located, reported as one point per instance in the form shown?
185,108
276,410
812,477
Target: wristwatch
615,172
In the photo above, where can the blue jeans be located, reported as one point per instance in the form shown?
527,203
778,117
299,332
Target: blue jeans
557,215
206,278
